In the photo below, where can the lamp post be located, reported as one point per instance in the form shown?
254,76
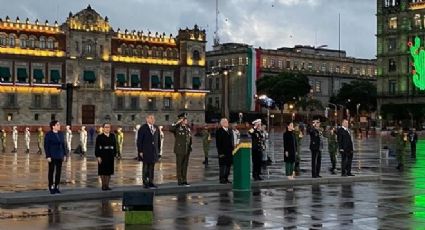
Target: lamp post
69,87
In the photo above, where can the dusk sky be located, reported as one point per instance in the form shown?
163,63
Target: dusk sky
266,23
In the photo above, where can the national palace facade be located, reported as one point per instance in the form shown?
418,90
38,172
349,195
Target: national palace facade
85,72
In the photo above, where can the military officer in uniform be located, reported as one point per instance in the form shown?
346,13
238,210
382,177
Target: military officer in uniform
316,146
27,139
206,140
182,147
15,139
3,140
68,137
257,148
332,148
120,142
40,140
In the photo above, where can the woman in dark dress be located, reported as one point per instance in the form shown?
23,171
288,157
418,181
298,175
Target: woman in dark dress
105,152
290,150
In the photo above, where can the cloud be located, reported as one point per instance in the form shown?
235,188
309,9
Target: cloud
265,23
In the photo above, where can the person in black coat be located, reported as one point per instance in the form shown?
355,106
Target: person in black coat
290,150
149,147
105,152
225,145
54,146
316,146
413,139
345,144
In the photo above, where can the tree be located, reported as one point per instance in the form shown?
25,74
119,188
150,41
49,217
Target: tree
308,105
360,92
284,88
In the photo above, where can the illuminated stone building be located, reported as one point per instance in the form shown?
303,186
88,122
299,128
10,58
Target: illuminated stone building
326,69
398,23
89,72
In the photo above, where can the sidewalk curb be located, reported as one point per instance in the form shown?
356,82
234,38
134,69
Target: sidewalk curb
81,194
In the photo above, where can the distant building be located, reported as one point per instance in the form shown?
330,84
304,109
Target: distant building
326,69
111,75
399,22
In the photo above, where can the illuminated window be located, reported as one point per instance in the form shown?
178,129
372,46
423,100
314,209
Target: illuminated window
9,117
240,61
31,42
280,64
417,21
318,87
310,66
23,41
392,23
264,62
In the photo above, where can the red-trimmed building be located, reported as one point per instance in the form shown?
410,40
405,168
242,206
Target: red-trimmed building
86,71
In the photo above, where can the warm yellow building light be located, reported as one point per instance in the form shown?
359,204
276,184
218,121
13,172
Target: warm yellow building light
117,58
32,52
29,89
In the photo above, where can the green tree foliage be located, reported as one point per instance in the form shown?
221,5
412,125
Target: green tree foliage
284,88
357,92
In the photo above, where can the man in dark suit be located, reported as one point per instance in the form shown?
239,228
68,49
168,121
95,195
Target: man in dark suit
346,149
224,143
148,147
316,146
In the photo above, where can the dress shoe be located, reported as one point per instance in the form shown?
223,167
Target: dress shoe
57,191
350,174
186,184
343,175
319,176
52,191
223,182
228,182
152,185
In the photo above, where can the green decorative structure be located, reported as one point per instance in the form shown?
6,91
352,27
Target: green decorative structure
418,55
242,167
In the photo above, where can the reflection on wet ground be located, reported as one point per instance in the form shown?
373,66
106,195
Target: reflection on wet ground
395,202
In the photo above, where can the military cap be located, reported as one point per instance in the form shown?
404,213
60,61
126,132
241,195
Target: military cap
256,121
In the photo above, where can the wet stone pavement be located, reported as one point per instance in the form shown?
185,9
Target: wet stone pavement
395,202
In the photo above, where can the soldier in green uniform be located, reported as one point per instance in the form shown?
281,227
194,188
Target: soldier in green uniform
206,140
332,148
3,140
120,142
182,147
299,137
40,140
401,142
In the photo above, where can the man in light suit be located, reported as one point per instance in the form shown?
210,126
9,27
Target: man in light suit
346,149
148,147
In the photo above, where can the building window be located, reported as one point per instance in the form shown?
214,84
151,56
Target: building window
217,83
167,117
12,40
167,102
133,117
264,62
318,87
23,42
337,69
240,61
119,117
196,83
272,63
280,64
196,56
9,117
31,42
121,80
37,100
288,64
391,65
323,67
36,116
417,21
134,103
392,23
155,82
151,103
120,102
11,100
42,43
210,83
54,101
50,43
392,87
219,62
53,117
3,40
168,82
210,102
392,44
310,66
296,65
217,102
